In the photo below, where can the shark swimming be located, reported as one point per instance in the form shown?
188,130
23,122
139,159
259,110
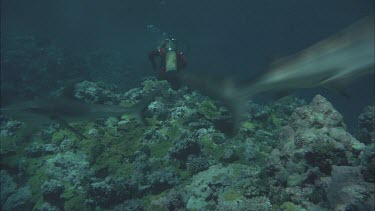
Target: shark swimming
331,63
63,110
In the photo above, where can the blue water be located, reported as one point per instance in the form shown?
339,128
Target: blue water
47,44
220,37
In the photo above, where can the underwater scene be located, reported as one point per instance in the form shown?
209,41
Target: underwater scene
156,105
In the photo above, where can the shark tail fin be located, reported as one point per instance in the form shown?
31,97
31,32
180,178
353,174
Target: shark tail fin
231,97
222,89
140,108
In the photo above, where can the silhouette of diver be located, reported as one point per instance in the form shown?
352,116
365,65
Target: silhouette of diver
171,61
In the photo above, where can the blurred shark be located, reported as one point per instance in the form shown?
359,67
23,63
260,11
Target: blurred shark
63,110
330,63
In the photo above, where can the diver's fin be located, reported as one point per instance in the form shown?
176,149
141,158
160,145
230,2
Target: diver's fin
64,124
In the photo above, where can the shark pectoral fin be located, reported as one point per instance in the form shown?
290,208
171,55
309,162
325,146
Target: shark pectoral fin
64,124
281,94
338,85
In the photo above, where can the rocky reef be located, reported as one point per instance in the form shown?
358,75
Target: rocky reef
366,125
287,155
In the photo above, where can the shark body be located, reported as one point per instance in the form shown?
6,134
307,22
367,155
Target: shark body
331,63
63,110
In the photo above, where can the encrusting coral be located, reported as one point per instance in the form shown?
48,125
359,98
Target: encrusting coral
287,155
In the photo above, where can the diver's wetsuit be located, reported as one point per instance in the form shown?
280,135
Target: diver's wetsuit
170,76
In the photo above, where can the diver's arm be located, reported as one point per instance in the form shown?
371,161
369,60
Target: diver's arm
182,60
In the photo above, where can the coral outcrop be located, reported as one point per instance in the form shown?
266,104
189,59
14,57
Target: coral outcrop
287,155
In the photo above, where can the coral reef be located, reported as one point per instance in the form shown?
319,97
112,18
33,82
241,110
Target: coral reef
52,190
96,93
348,190
21,199
366,125
197,163
288,155
70,167
8,186
109,192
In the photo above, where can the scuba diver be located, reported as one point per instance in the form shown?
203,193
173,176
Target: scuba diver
171,61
